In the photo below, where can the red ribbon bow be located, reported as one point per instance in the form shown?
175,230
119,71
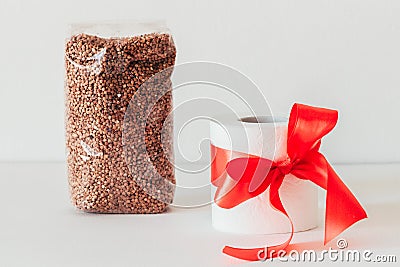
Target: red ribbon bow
248,176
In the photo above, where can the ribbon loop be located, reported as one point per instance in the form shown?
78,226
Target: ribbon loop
307,125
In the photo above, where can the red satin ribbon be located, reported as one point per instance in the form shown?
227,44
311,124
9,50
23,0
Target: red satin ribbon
239,177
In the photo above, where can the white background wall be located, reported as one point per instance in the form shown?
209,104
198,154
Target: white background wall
343,54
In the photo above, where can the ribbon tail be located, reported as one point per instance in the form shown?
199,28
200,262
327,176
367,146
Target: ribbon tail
248,254
258,254
342,207
264,253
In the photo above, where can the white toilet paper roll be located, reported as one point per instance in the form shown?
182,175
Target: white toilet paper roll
264,137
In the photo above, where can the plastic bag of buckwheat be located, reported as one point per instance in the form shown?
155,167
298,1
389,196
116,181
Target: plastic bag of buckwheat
105,65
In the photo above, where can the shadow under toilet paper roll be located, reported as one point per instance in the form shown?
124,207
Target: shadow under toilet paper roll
266,137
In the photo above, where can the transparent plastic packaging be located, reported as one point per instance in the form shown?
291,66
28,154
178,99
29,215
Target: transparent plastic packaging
105,66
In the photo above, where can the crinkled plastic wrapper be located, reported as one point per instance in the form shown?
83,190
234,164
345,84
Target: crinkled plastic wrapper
106,64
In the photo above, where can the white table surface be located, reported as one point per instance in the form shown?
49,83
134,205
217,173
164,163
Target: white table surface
39,226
